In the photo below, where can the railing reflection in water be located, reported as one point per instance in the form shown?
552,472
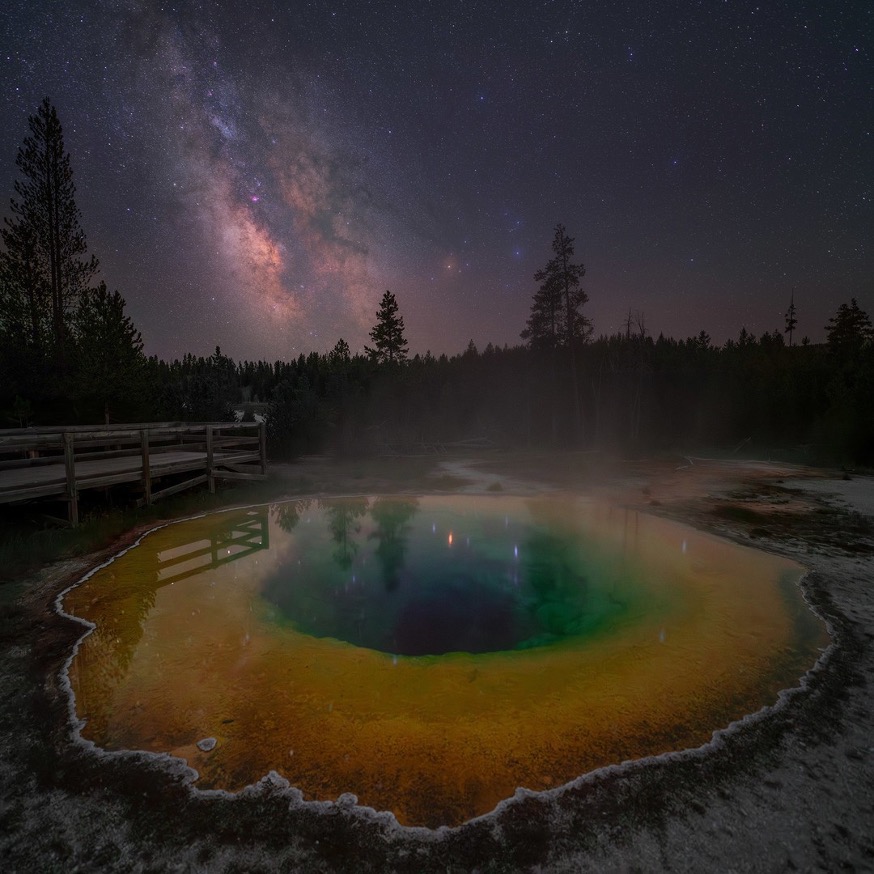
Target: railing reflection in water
125,600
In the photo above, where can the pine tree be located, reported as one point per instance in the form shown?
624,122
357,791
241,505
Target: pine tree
791,320
44,268
389,344
340,355
556,320
850,328
109,350
556,312
543,330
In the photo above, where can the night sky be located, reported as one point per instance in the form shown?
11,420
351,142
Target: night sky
255,174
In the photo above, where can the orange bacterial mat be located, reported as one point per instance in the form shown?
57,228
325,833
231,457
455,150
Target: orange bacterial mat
431,655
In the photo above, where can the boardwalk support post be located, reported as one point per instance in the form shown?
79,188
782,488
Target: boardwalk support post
147,474
70,470
262,445
210,478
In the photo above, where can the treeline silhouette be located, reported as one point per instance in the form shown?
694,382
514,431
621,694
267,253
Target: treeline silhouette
69,355
637,394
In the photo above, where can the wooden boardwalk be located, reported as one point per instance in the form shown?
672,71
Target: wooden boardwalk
59,463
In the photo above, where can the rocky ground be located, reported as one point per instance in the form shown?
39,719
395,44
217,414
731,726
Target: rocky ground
790,790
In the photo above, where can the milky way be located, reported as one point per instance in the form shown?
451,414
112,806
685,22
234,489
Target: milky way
254,175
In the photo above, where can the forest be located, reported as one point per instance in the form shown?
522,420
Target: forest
70,355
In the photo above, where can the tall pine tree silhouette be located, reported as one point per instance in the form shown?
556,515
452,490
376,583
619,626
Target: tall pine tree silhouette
389,343
556,320
791,320
45,267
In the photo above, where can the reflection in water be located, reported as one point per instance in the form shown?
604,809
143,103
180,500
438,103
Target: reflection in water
543,638
238,535
473,587
126,598
343,519
392,517
288,514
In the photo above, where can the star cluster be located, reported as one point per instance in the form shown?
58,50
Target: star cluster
254,175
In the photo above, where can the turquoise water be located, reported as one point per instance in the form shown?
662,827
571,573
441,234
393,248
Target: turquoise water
395,576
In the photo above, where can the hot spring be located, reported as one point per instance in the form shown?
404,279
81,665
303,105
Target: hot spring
432,654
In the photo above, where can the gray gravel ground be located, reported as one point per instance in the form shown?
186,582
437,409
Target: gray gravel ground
790,790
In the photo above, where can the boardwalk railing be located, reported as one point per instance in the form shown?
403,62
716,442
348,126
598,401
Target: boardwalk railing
61,462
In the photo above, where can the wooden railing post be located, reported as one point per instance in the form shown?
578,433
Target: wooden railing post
210,479
262,445
70,469
147,474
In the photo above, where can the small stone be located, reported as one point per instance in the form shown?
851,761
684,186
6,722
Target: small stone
207,744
